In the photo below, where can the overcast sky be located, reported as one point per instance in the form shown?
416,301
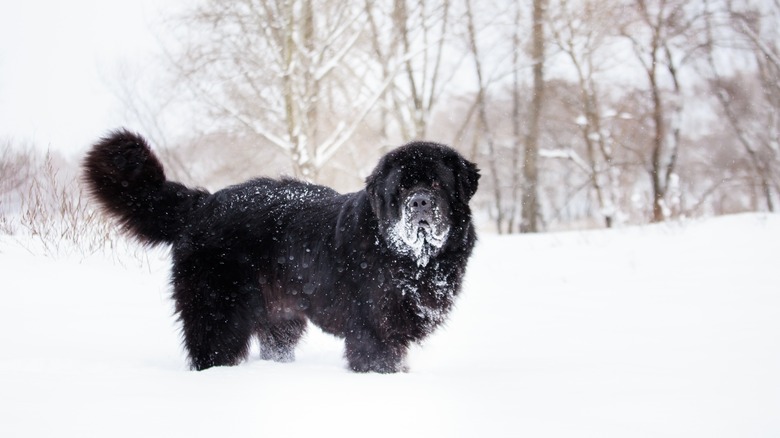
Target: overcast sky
56,61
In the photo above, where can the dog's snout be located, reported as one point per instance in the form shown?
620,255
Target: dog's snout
420,203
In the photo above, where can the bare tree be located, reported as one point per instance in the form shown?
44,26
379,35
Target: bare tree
650,54
751,111
412,35
517,123
578,29
664,35
282,73
147,111
483,121
530,201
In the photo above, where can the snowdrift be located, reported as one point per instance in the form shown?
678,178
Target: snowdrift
668,330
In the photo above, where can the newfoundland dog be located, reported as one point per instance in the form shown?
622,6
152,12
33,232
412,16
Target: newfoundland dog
379,267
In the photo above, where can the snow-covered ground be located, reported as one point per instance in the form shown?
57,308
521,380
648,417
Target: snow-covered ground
669,330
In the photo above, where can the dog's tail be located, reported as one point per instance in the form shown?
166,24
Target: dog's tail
126,178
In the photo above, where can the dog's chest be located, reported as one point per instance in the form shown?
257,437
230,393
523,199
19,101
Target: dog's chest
426,297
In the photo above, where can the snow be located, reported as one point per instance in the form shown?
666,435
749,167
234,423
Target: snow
670,330
406,238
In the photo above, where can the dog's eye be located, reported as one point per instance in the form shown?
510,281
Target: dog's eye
436,185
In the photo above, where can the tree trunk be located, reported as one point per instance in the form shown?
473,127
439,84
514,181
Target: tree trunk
658,143
483,120
530,213
516,143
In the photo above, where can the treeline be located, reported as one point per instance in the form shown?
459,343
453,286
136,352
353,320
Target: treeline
581,113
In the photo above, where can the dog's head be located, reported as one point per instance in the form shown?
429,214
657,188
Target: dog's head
419,194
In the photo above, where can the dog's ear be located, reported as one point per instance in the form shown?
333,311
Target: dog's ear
373,190
468,178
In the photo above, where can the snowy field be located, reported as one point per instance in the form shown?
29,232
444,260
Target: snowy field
660,331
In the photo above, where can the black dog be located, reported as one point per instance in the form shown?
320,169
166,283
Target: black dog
379,267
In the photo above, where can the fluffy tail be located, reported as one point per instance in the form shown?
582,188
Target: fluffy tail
128,181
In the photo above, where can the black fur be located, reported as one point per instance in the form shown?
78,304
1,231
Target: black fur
261,258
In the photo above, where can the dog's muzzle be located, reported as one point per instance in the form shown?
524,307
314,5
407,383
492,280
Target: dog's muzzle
421,211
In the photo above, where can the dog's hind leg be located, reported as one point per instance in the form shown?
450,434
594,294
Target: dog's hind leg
216,308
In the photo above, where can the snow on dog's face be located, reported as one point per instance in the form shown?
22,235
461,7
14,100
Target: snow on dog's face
423,224
419,193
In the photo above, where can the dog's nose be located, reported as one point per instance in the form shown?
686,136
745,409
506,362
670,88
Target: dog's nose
420,204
